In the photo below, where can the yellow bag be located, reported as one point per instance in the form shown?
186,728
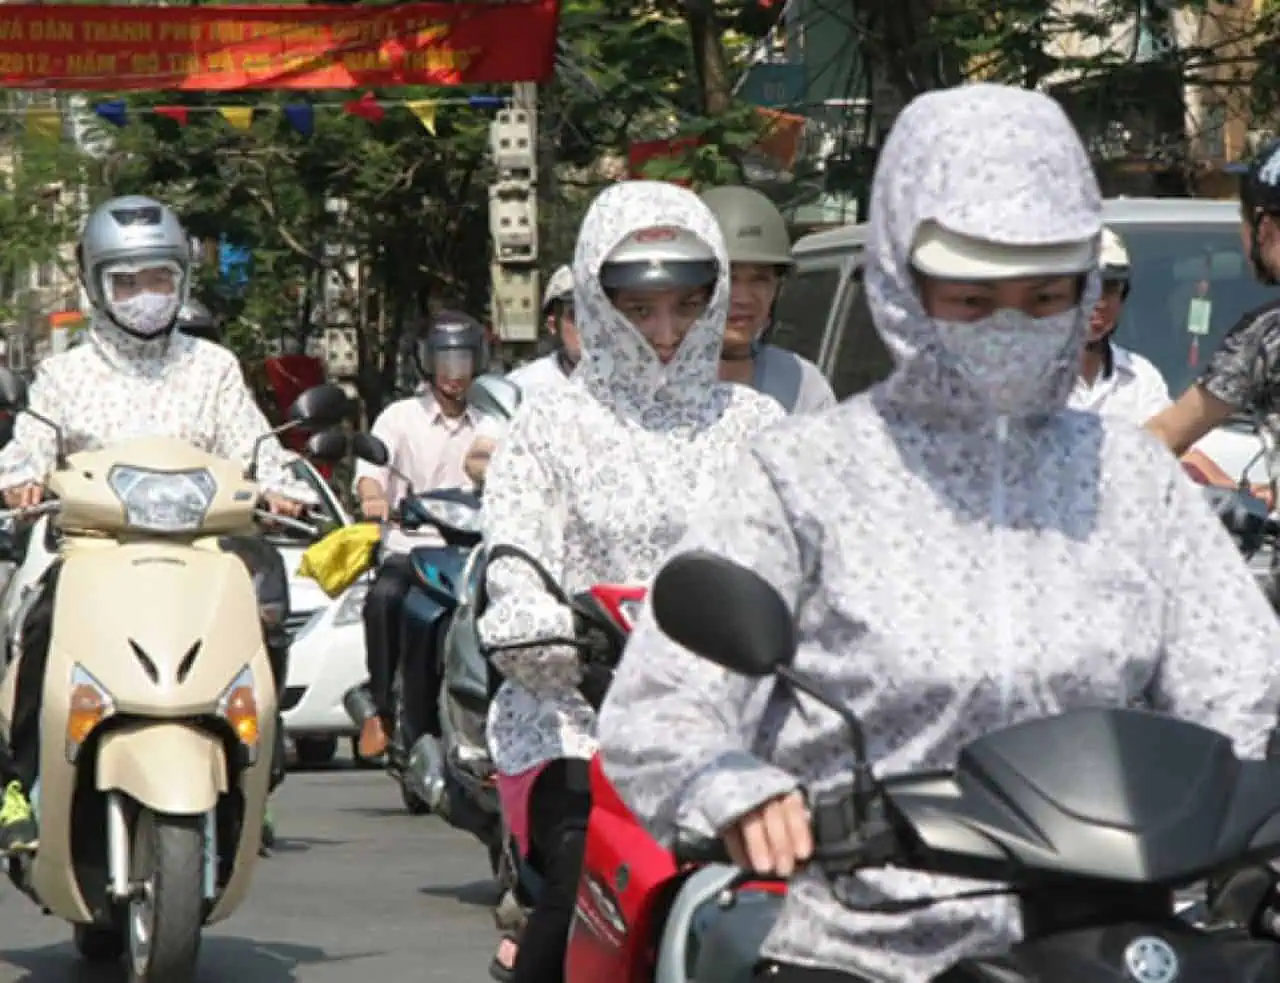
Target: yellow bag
342,556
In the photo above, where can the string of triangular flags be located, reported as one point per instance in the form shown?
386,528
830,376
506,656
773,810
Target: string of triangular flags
47,121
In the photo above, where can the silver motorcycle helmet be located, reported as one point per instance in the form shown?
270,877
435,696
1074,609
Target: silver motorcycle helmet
135,264
660,258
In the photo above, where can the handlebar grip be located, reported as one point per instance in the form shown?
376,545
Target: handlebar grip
692,848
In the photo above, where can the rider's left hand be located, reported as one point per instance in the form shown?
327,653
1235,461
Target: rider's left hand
279,505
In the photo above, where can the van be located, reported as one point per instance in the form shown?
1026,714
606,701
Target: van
1179,248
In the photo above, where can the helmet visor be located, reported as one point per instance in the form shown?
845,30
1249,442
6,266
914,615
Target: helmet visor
452,363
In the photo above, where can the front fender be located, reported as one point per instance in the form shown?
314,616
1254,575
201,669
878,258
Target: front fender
168,767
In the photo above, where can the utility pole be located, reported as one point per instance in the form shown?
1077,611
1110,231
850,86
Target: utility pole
513,218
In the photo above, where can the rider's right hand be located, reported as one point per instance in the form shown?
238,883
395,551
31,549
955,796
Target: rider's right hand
773,839
376,509
23,496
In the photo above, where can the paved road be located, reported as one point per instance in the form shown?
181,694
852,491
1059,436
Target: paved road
356,890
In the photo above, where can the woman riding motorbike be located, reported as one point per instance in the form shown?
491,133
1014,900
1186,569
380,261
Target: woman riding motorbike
596,482
959,551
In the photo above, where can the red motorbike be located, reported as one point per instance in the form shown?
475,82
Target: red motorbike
646,914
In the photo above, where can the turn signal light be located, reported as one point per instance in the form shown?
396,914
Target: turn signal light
87,709
88,705
242,714
239,708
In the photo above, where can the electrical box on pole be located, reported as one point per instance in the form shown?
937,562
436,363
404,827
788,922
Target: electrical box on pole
513,217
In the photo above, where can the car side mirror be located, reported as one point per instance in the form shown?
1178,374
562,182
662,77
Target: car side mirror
321,406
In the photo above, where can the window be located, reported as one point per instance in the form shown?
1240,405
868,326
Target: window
861,358
804,308
1173,264
45,274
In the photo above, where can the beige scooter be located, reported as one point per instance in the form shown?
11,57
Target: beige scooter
158,716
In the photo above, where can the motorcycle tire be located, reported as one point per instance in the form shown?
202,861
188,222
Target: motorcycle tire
168,856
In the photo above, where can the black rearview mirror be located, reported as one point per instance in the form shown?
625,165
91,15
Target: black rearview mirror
369,448
329,446
495,396
321,406
13,390
725,613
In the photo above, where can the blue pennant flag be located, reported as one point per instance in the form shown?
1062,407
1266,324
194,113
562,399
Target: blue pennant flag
301,117
114,112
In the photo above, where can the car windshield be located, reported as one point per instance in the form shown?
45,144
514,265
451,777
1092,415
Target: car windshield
1173,265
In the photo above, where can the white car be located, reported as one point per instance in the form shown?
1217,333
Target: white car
325,661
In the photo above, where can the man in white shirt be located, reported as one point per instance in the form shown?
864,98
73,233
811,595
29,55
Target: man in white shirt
759,258
428,436
549,372
1114,380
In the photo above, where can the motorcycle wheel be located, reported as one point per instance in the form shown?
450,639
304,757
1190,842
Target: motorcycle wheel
97,944
401,743
164,922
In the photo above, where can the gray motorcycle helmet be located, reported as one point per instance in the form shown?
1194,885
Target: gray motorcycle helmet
453,331
196,320
659,258
754,230
133,229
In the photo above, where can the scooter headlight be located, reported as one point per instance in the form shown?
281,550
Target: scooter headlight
163,501
88,705
238,706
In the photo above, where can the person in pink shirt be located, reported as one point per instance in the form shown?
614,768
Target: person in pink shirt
428,435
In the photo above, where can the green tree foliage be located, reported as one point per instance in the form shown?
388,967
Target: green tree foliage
362,223
40,208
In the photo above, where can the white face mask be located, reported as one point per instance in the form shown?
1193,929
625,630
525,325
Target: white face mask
147,314
1010,357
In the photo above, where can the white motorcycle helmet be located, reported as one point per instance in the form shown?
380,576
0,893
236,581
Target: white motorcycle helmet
135,264
947,255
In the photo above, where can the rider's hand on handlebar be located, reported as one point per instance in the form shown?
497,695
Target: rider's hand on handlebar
24,496
772,839
279,505
375,508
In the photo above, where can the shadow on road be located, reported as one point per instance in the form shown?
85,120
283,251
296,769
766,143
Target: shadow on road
481,894
220,959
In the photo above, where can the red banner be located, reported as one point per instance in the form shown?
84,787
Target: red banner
214,49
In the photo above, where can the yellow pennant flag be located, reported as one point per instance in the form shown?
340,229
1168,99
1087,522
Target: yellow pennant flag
44,123
425,110
241,117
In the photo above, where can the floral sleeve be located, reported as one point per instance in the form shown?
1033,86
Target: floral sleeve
522,509
240,424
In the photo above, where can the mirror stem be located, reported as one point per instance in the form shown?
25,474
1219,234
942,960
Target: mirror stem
251,472
864,783
60,447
